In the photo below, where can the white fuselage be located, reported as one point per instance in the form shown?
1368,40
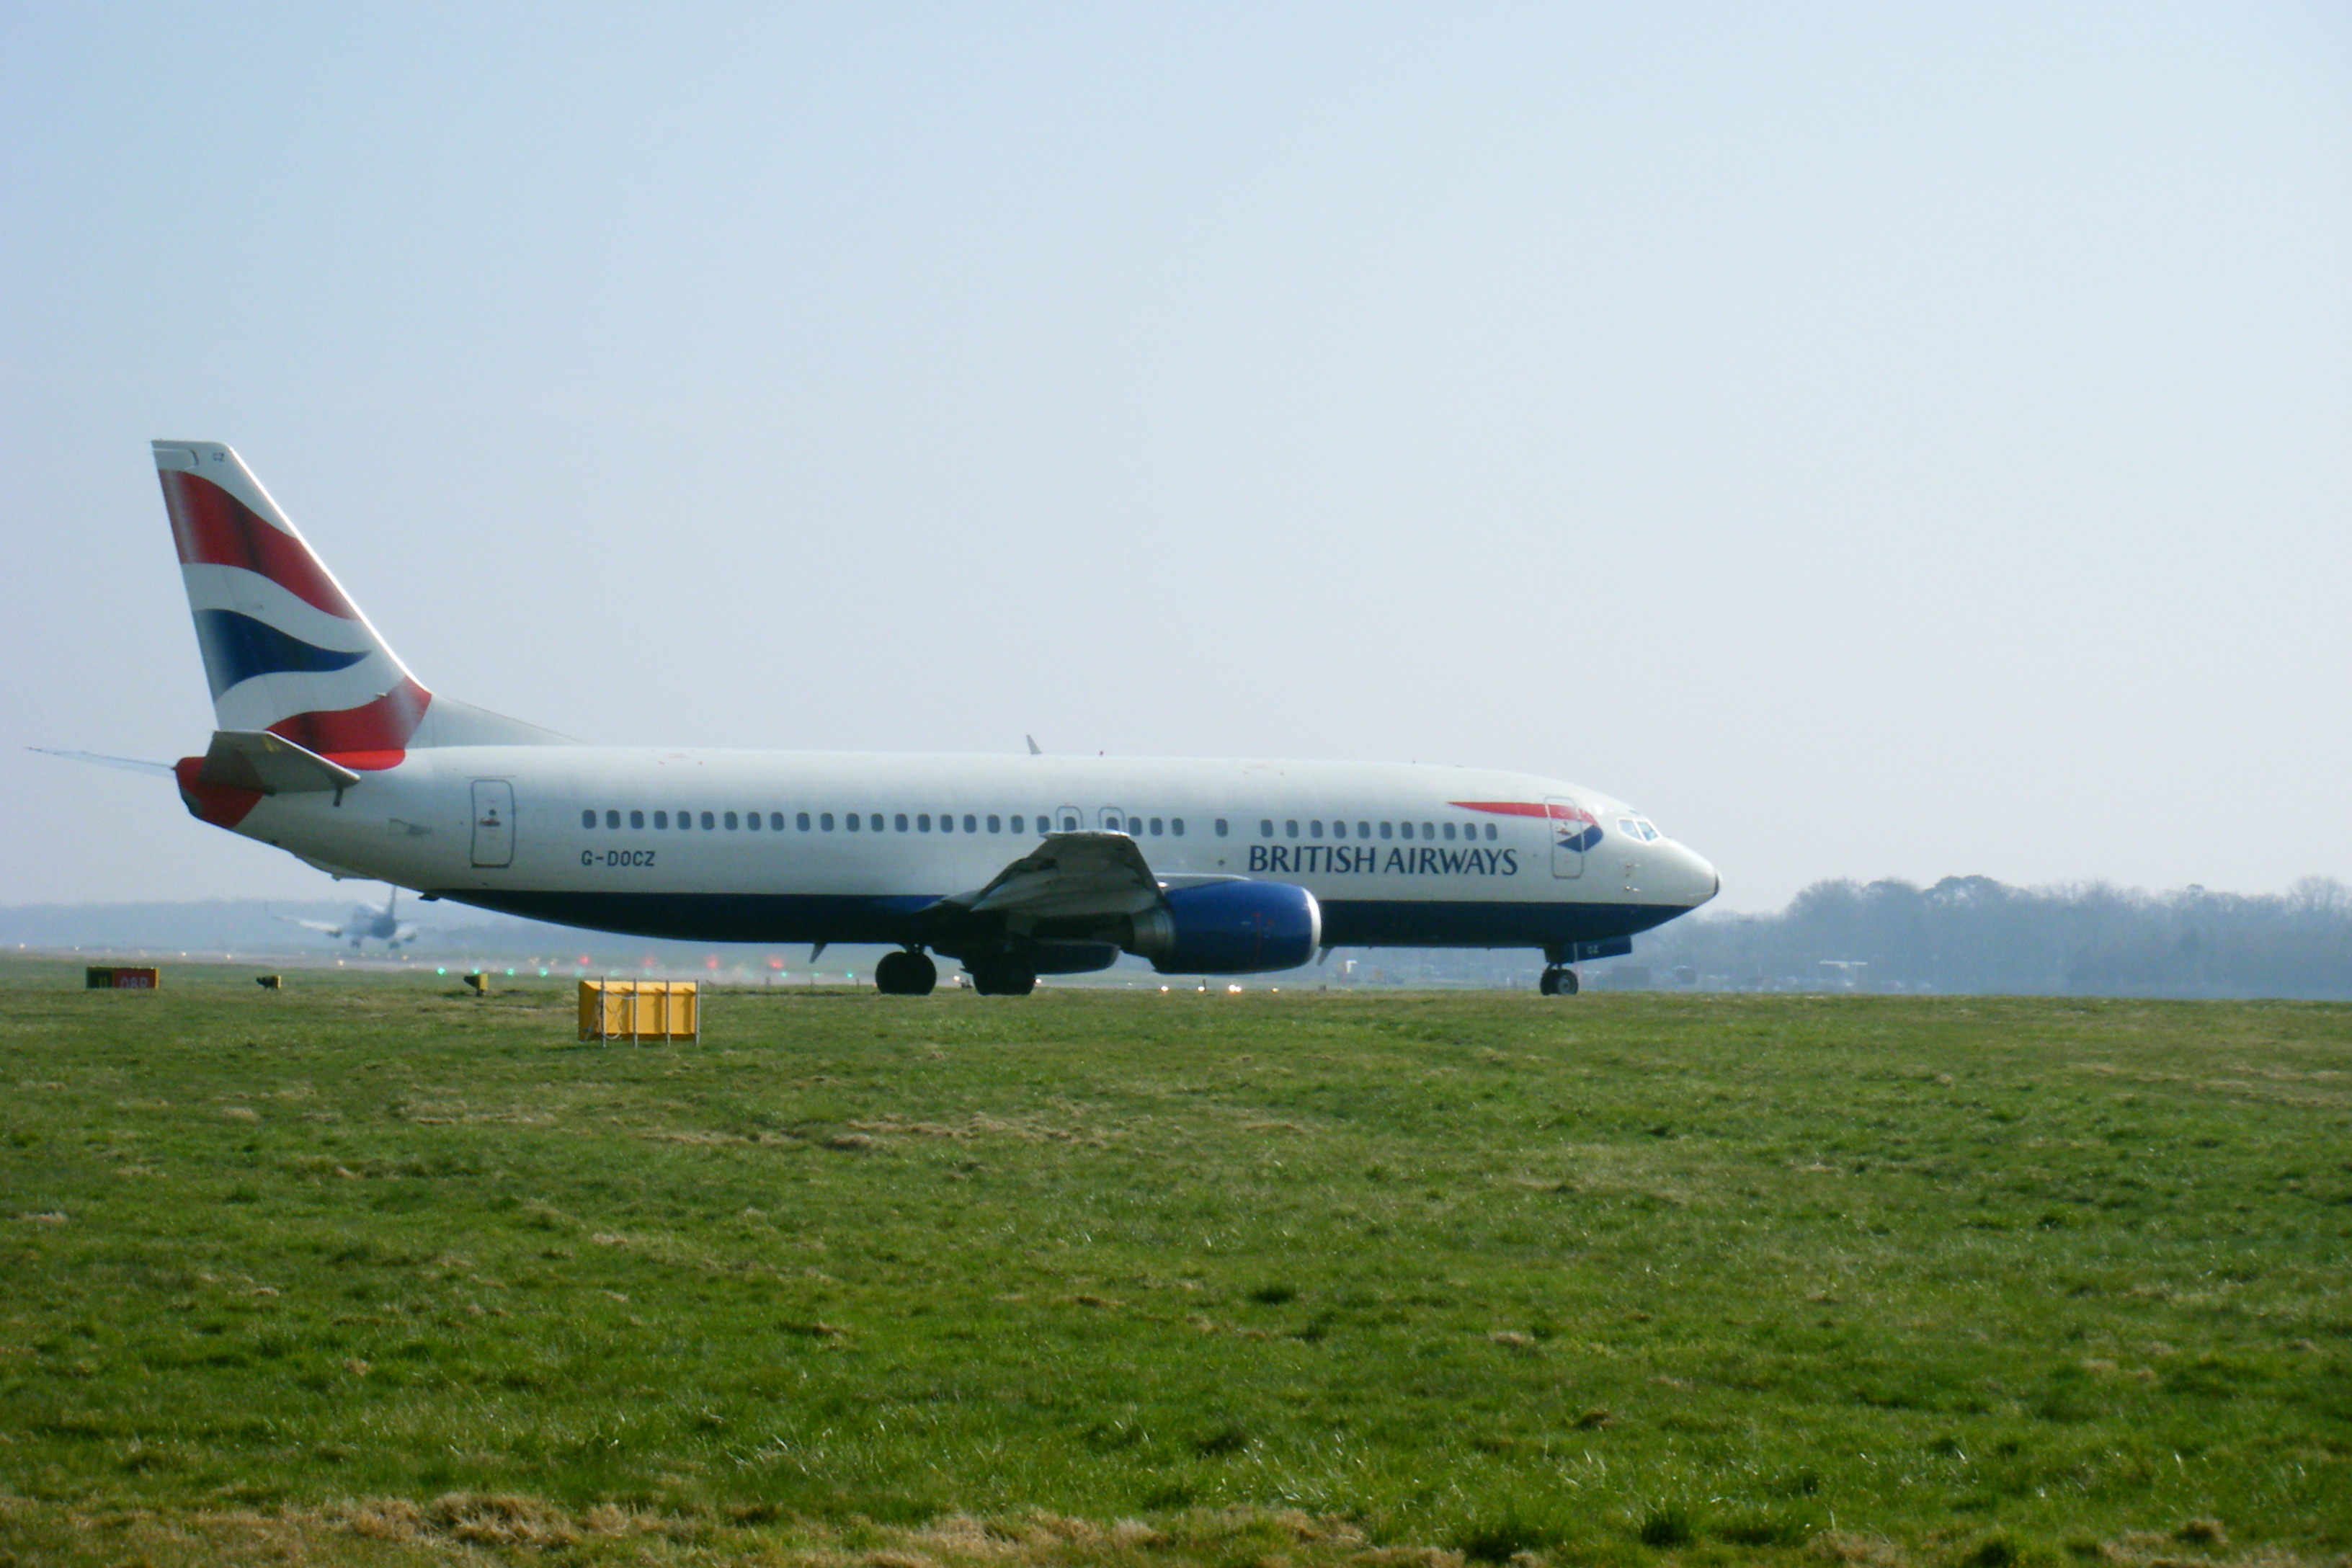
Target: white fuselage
759,846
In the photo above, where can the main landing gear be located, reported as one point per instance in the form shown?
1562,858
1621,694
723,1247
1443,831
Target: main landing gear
1558,979
905,973
1002,974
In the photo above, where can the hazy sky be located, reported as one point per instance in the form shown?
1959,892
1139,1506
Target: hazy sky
1875,440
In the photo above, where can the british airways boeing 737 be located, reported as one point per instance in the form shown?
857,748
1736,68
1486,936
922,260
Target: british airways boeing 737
1013,867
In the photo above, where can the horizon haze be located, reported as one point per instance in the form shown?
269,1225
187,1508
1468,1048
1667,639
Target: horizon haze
1875,444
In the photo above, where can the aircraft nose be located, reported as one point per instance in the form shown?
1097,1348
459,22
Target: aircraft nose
1701,880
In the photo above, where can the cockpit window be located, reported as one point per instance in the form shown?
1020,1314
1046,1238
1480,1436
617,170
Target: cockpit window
1638,828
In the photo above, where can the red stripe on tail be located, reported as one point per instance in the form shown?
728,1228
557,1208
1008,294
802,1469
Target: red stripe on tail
223,806
214,528
370,737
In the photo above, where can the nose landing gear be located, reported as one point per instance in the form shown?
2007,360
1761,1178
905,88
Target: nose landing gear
906,973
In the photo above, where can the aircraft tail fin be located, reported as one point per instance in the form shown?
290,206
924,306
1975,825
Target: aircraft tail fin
285,649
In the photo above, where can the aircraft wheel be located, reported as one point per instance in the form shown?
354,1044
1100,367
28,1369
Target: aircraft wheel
905,975
921,975
1558,981
1003,977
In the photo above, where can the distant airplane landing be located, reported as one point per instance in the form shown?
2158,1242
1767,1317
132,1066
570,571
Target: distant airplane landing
384,925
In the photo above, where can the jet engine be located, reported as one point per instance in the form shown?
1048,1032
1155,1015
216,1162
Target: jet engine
1228,928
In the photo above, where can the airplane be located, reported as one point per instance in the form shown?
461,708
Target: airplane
366,921
1013,866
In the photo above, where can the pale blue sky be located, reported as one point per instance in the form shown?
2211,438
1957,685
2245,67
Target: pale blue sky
1875,440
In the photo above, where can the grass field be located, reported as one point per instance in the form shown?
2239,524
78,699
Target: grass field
372,1271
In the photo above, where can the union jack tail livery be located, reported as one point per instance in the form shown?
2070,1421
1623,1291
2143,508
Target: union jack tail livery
286,652
285,648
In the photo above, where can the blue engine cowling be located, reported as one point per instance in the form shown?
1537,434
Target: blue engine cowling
1229,928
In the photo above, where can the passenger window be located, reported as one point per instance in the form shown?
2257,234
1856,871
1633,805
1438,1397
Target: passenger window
1069,825
730,822
1315,828
971,822
1490,832
1386,830
922,822
1363,830
1265,830
900,819
775,822
588,818
1176,826
994,827
707,822
1449,833
1221,827
1338,829
802,821
1290,828
661,819
636,819
751,820
1155,827
1016,822
853,821
611,819
685,820
825,821
1428,830
874,821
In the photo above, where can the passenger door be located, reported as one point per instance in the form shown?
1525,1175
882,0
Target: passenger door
1111,819
493,823
1569,823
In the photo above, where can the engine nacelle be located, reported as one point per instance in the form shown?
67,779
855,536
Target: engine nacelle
1229,928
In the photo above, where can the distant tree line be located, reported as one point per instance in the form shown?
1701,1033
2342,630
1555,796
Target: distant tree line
1974,934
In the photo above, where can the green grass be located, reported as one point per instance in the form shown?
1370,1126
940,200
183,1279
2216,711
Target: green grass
370,1270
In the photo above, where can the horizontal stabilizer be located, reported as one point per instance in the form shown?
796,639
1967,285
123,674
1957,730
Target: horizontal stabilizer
129,764
257,760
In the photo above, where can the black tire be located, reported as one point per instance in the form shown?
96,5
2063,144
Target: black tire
1003,977
905,975
1549,983
1568,986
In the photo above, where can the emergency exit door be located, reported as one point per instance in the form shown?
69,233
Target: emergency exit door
493,823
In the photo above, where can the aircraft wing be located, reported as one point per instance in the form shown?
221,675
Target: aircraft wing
308,925
1069,875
